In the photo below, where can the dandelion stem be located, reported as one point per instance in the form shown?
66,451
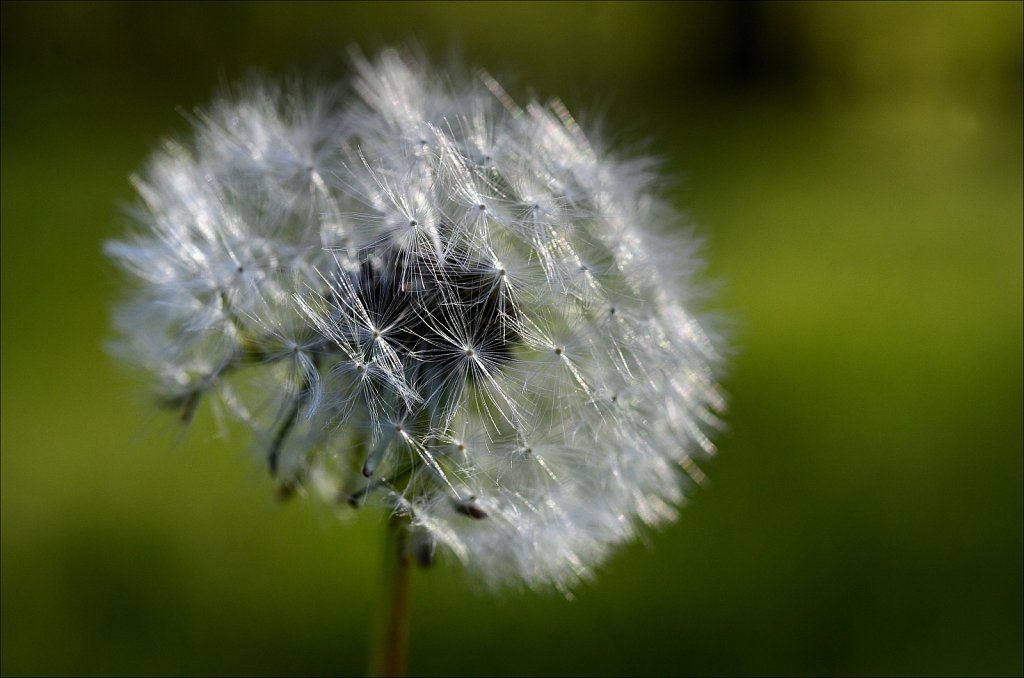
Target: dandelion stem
392,627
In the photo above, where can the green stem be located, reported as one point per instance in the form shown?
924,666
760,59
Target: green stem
392,627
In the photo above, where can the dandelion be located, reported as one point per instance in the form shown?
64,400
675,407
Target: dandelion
422,296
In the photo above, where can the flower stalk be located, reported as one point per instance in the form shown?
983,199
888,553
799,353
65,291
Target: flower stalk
391,631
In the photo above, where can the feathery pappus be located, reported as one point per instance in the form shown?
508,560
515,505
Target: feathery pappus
418,293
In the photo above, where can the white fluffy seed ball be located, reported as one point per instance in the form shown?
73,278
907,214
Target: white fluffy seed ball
423,295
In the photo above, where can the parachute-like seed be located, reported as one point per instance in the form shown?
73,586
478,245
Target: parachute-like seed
426,296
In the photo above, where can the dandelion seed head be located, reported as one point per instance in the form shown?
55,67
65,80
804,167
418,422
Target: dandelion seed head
425,296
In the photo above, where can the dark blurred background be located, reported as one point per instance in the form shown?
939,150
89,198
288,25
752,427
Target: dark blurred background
857,169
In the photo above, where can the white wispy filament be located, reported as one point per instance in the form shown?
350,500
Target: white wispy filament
420,294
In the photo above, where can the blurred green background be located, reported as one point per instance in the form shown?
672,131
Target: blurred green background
857,169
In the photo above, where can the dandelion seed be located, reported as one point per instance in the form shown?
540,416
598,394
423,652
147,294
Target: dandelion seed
428,297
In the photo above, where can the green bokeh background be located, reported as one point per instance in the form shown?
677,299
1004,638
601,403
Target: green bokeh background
857,169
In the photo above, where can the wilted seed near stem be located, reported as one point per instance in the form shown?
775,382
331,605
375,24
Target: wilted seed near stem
470,508
428,296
